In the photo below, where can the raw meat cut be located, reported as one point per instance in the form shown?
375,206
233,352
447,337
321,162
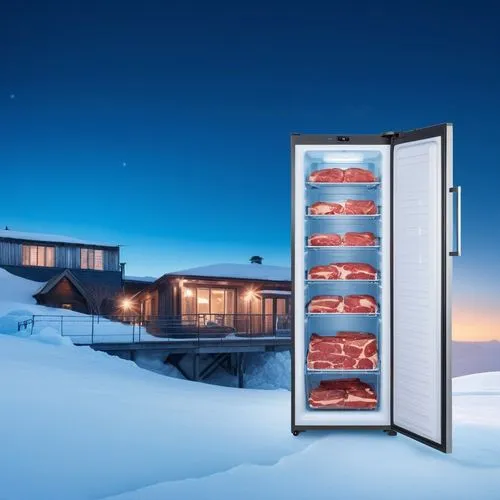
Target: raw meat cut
328,175
326,304
358,175
326,208
360,304
347,207
360,207
344,351
328,272
343,394
343,271
325,240
359,239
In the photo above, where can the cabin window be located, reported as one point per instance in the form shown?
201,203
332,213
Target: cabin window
91,259
67,306
35,255
211,302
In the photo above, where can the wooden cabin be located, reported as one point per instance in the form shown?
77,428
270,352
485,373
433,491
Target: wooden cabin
251,299
76,274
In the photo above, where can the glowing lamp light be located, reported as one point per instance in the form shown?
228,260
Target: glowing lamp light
249,295
126,304
188,292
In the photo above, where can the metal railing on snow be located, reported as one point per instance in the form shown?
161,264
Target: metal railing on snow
91,329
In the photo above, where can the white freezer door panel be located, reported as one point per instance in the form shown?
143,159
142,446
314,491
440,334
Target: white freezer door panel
417,306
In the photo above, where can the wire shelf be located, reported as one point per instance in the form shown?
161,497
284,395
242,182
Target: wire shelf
375,371
369,185
343,217
314,282
336,315
344,248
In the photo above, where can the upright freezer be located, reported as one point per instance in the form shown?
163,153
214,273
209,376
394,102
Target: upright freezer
371,268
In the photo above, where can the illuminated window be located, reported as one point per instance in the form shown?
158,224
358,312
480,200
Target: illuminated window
34,255
91,259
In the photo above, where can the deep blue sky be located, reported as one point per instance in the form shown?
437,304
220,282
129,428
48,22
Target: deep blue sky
198,100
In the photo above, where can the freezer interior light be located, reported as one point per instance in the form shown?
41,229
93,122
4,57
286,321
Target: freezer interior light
342,158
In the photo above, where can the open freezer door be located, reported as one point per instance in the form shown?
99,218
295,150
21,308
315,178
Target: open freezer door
421,265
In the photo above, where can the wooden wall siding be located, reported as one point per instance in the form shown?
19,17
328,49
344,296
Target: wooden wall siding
111,260
67,257
65,293
10,253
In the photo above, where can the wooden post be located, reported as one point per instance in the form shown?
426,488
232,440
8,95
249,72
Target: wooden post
240,368
196,366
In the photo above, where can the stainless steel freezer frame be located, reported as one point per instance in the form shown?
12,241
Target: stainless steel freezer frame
428,152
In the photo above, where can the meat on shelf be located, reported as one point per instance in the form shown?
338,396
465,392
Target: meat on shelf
351,304
343,271
352,239
335,175
339,175
343,351
347,207
347,393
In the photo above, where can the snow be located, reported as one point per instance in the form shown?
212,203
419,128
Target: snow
243,271
275,292
49,238
81,424
147,279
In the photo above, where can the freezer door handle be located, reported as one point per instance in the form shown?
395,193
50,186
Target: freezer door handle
458,224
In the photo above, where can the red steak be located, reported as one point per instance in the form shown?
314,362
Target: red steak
360,207
327,175
359,239
358,175
329,272
326,304
343,394
360,304
346,350
325,240
343,271
326,208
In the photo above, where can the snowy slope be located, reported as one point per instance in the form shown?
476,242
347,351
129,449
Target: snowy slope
17,304
244,271
51,238
81,424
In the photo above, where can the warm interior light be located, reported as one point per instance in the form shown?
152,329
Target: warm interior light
249,295
188,292
343,158
202,300
126,304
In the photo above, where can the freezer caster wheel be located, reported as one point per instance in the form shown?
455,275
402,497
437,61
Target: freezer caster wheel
295,433
391,433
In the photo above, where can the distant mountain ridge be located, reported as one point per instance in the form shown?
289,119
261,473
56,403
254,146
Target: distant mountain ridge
475,357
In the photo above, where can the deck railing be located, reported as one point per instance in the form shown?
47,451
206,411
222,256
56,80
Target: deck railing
91,329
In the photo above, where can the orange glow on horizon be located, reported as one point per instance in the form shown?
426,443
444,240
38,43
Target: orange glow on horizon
478,324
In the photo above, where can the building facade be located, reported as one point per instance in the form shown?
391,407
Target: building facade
242,298
74,274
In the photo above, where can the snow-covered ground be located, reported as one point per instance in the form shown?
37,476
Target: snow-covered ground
79,424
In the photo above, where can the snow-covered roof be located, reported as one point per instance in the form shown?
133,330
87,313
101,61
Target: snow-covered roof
242,271
49,238
148,279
